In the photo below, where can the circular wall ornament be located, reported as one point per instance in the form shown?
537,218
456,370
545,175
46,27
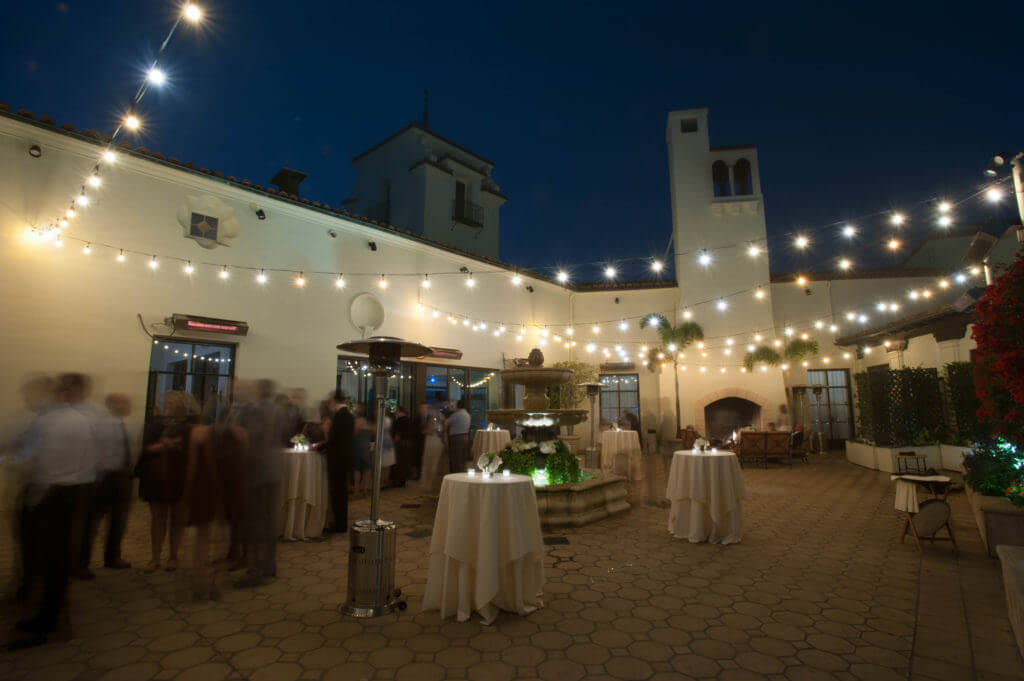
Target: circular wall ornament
366,312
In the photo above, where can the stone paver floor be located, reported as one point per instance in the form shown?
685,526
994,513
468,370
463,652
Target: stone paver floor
818,589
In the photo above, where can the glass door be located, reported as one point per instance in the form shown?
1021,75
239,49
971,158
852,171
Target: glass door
829,401
205,371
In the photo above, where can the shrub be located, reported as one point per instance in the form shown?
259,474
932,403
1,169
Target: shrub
993,468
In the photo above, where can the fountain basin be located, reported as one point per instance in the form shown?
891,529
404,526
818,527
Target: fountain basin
594,498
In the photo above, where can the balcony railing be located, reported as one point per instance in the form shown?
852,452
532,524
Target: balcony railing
468,213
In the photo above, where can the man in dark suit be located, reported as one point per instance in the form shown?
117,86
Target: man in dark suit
339,458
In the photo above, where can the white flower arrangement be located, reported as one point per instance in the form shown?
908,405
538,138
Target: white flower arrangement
489,463
700,444
547,447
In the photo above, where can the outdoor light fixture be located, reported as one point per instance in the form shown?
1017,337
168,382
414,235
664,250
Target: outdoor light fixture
373,541
35,151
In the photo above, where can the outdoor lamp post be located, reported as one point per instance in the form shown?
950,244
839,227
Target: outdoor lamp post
593,389
372,541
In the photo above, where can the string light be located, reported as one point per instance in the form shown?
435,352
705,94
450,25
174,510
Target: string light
897,219
109,156
300,280
516,280
131,121
623,325
120,256
562,276
610,272
382,282
894,244
82,200
657,265
153,264
87,249
156,76
426,282
687,314
994,194
845,264
722,305
759,293
704,258
568,332
192,12
470,281
261,277
94,180
801,280
70,213
849,231
63,223
595,329
188,267
224,274
945,207
753,251
945,221
801,242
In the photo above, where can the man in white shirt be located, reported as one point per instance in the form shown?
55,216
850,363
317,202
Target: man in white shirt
112,493
457,427
62,464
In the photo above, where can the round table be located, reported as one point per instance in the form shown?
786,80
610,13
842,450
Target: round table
706,490
304,494
489,442
486,552
620,453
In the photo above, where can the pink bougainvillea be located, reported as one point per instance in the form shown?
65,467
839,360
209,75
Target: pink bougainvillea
999,359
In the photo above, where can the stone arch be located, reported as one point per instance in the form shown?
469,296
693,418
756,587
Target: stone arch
703,401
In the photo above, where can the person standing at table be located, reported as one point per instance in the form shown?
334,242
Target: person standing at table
420,424
262,464
62,464
112,495
458,437
339,458
403,433
629,421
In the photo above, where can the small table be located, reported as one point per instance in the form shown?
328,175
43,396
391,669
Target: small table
486,552
706,490
622,445
924,519
489,442
304,494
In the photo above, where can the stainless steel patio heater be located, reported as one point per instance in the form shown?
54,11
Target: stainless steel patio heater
593,389
372,541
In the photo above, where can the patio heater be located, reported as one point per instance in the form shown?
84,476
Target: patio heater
593,389
372,541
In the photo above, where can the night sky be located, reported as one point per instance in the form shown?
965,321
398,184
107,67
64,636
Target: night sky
854,110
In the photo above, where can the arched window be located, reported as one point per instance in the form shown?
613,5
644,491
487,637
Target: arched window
720,178
741,176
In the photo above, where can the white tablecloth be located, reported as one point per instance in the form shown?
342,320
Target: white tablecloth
706,491
620,453
906,490
486,553
304,494
489,442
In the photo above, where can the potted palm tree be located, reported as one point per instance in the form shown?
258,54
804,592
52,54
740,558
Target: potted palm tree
674,339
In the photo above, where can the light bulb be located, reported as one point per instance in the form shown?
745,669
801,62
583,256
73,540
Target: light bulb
58,242
188,268
788,331
704,258
153,264
819,324
82,200
131,121
759,294
516,280
945,207
300,280
751,347
426,282
94,181
87,249
778,343
893,244
897,219
960,277
753,251
562,276
849,231
70,213
757,337
833,328
224,274
109,156
945,221
610,272
845,264
801,280
591,347
595,329
657,266
120,256
383,283
340,283
63,223
470,281
995,194
654,321
801,242
943,283
261,277
192,12
687,314
623,325
156,76
722,305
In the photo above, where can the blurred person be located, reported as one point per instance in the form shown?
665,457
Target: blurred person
112,492
38,394
420,428
339,448
403,433
435,465
361,444
457,427
242,394
316,431
212,496
387,451
629,421
61,465
262,464
161,472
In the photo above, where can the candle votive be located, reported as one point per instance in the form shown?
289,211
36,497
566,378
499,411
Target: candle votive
506,473
487,474
714,450
471,472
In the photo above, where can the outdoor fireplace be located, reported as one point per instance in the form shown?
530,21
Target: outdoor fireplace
729,414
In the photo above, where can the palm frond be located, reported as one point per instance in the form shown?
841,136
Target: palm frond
797,349
687,334
761,355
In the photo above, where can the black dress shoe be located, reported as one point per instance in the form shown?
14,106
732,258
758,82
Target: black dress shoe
118,564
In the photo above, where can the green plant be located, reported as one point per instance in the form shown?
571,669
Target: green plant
899,407
762,355
798,348
963,404
568,395
993,468
674,339
521,462
562,466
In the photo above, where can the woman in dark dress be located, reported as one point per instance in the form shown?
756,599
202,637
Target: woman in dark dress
161,473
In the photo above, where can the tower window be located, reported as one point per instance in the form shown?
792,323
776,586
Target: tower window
688,125
720,178
741,176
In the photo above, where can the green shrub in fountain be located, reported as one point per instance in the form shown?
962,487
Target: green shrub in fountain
560,465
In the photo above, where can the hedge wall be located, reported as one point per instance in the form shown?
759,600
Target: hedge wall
897,407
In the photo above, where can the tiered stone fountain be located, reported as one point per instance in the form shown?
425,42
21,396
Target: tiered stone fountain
598,495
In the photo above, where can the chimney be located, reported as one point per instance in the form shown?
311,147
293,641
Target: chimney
288,180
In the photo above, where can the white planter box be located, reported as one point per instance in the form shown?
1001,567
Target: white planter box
886,456
861,454
953,456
